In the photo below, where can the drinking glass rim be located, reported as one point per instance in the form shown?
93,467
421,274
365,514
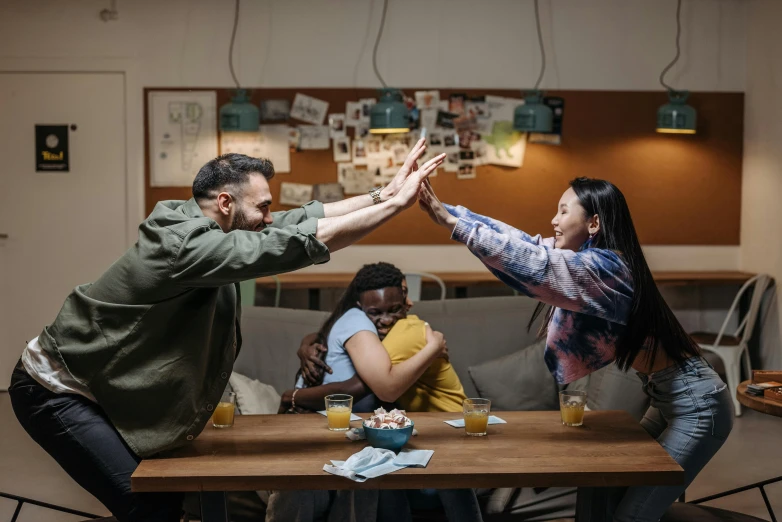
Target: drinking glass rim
476,400
573,393
339,397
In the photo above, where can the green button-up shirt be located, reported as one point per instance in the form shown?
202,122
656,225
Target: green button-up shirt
155,337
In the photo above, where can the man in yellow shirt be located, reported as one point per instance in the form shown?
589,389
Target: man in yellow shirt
439,388
384,309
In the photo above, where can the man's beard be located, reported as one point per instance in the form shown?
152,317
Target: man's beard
240,221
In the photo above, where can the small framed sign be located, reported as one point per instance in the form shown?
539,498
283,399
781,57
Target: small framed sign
51,148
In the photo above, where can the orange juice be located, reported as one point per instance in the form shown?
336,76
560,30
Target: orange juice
572,413
223,415
339,418
475,422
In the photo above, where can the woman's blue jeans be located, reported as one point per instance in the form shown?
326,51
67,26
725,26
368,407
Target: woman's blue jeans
691,415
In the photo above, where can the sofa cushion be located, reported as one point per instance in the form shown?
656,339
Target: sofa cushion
270,338
480,329
519,381
612,389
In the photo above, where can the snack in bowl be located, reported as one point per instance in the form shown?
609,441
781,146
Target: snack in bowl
388,430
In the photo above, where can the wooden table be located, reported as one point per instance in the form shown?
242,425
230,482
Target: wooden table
278,452
460,281
760,404
308,280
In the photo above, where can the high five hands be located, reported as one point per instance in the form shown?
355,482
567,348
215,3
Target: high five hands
430,204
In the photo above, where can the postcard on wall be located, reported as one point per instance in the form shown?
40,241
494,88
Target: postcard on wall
466,165
466,171
314,137
294,138
353,180
295,194
366,108
353,114
275,146
309,109
451,163
445,120
476,107
374,147
328,192
359,152
275,110
182,135
399,152
505,146
480,149
362,130
342,150
427,100
428,119
501,108
456,103
337,127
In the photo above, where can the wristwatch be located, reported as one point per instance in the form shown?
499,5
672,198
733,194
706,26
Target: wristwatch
375,193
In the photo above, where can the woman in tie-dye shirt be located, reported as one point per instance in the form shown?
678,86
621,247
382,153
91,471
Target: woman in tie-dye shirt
606,308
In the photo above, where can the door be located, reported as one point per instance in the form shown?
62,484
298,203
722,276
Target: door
57,229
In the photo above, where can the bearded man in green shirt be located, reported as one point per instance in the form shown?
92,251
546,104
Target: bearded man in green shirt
135,363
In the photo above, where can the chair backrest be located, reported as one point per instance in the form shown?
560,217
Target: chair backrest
414,284
746,326
248,289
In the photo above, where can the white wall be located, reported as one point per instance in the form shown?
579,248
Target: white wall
600,44
761,216
596,44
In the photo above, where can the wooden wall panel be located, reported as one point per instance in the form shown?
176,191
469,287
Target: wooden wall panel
682,189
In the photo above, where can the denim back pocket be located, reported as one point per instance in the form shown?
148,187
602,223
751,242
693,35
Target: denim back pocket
720,406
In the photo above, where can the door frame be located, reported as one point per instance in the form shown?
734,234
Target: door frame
133,121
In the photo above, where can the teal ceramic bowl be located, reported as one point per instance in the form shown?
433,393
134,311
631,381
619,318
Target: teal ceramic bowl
389,439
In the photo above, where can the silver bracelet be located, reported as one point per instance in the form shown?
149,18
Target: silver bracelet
375,193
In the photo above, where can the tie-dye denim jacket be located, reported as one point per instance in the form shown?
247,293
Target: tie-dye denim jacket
591,290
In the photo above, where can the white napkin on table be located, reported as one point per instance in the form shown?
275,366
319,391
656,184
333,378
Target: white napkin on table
373,462
459,423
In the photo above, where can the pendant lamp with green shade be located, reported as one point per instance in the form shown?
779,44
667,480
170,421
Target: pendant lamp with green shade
239,115
534,115
676,116
389,115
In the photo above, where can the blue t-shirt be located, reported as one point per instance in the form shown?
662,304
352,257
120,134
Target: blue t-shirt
351,322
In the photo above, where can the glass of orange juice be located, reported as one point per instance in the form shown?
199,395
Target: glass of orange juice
223,416
476,416
571,407
338,410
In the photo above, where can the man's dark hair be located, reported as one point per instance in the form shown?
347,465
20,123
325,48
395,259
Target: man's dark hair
369,277
228,170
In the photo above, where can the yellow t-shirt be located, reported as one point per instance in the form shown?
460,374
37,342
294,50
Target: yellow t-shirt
439,388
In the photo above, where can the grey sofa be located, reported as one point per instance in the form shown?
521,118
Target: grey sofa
487,341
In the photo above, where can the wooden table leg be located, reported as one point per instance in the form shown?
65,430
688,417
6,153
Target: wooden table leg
214,506
597,504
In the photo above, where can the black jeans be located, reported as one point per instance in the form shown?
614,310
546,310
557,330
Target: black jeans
77,434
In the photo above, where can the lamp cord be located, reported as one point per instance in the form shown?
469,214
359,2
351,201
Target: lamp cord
542,50
377,43
678,46
231,47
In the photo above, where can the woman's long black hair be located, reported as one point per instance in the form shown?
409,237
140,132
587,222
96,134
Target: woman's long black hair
651,324
369,277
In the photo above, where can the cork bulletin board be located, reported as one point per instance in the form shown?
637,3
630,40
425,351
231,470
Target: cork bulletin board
673,183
